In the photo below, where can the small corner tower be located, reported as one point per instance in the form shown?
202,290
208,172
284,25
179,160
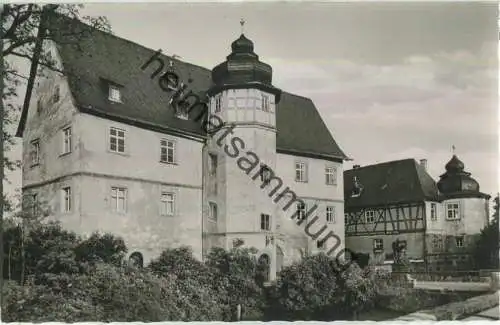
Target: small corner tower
465,207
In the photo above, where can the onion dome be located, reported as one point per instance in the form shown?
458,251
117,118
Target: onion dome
243,68
455,180
242,45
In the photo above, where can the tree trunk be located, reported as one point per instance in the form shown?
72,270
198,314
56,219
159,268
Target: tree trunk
23,258
2,72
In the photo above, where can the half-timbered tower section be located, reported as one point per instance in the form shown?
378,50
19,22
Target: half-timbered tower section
386,202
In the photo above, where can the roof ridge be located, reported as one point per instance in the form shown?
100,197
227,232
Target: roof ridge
383,163
110,33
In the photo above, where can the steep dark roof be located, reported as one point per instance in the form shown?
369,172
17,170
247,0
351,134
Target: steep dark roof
104,57
389,183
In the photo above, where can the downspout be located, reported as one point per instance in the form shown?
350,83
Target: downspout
425,236
203,201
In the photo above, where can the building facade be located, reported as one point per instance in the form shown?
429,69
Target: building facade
112,145
437,223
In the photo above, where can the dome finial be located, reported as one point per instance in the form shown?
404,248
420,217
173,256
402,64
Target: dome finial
242,23
453,149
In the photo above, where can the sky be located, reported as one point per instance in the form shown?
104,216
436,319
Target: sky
391,80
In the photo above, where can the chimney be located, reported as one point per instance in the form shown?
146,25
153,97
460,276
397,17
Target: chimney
423,163
356,166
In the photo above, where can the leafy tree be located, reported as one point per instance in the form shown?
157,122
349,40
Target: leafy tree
317,289
104,248
234,275
486,249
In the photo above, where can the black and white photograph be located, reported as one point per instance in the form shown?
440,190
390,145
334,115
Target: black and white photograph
254,161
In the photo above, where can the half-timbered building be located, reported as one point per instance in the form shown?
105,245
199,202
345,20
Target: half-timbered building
399,200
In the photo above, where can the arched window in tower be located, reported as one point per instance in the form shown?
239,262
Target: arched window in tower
136,260
264,264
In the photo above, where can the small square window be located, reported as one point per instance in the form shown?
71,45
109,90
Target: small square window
378,244
114,94
459,241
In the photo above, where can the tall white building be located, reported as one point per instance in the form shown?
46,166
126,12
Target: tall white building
118,144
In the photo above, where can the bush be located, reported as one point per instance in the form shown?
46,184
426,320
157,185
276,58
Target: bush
104,248
235,276
110,293
317,289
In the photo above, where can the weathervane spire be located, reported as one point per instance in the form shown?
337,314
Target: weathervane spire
242,23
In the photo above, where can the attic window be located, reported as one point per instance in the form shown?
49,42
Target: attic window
114,94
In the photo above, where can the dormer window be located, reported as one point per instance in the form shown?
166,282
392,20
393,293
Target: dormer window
114,94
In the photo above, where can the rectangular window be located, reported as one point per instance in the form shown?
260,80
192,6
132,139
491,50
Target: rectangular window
116,140
265,174
213,211
300,172
66,145
167,151
433,211
119,199
459,241
265,103
265,222
330,214
218,103
301,211
369,216
331,175
66,199
35,152
167,206
34,202
114,94
452,211
378,244
346,218
212,164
